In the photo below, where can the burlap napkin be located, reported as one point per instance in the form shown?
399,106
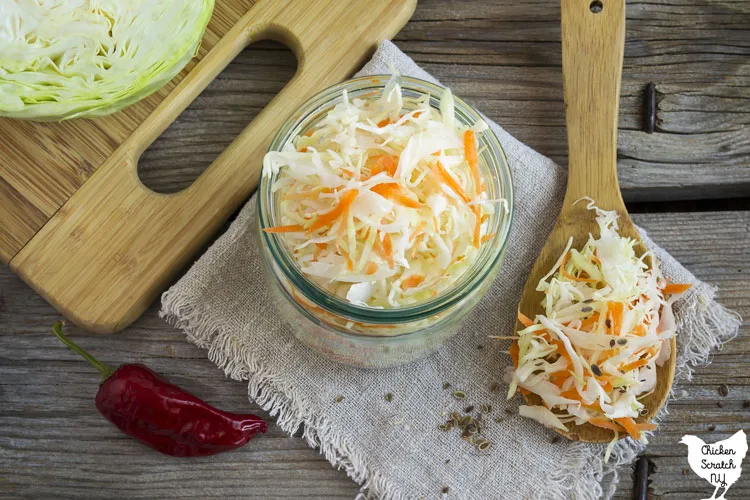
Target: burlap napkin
395,449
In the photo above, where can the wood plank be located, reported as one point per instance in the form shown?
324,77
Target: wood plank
504,58
53,443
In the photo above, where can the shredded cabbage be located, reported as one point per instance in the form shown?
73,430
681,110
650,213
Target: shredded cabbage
62,59
382,205
606,326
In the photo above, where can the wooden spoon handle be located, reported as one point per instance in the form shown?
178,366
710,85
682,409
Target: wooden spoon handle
593,40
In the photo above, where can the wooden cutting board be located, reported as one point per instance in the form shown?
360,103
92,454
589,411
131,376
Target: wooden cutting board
77,224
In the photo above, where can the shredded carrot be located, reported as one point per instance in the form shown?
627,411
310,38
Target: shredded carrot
633,428
487,237
327,218
639,330
604,423
477,226
616,309
294,228
558,378
525,320
371,268
588,323
412,281
470,150
417,114
634,365
388,249
571,394
514,351
308,133
384,122
417,231
444,176
673,288
396,193
384,163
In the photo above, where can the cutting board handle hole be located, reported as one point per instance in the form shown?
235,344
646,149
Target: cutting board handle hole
596,6
211,122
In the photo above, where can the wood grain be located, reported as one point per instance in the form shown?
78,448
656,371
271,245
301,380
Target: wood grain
43,164
54,444
121,241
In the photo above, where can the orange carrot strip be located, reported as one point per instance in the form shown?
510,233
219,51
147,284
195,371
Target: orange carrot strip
417,114
443,175
388,249
487,237
571,394
470,150
616,308
327,218
558,378
588,323
514,351
634,365
525,320
632,428
604,424
371,268
412,281
384,122
477,226
673,288
395,193
308,133
294,228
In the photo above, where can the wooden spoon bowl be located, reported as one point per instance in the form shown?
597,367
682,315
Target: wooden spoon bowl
593,39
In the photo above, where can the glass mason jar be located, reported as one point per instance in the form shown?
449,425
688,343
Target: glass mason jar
367,337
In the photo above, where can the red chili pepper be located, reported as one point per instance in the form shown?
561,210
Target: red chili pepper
163,416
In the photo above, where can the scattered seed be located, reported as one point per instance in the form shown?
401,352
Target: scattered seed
720,404
587,309
471,429
711,427
685,472
622,341
597,371
465,421
746,404
494,387
445,489
447,460
648,367
445,427
455,416
446,385
554,439
499,419
389,397
469,409
608,323
483,444
509,411
338,399
480,347
485,408
612,343
459,394
724,390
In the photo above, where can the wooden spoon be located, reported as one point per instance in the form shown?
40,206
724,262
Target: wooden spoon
593,39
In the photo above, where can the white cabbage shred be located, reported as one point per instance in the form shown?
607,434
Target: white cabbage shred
378,200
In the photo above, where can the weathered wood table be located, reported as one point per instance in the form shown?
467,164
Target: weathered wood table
689,181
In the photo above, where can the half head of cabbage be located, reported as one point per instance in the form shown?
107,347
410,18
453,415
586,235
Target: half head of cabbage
62,59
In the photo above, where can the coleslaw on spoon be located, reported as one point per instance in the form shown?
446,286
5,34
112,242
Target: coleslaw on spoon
607,323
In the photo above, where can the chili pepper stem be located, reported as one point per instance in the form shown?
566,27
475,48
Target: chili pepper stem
103,369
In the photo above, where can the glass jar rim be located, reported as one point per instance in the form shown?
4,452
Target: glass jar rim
309,112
